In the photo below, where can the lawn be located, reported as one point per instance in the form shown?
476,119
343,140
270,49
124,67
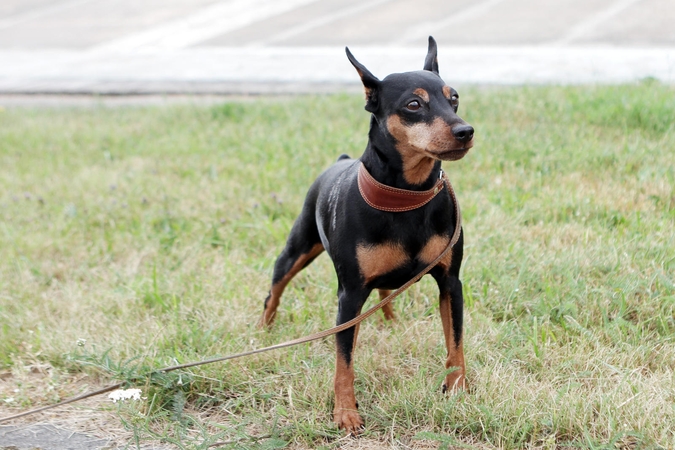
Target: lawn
132,238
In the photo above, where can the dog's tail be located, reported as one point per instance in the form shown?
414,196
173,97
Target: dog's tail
344,156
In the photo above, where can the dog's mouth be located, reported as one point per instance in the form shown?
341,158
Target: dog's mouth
452,154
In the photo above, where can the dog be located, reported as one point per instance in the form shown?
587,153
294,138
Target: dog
382,218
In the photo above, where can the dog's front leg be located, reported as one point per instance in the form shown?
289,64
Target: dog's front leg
451,306
345,413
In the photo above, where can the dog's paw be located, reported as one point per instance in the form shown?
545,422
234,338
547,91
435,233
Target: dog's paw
266,320
455,382
349,420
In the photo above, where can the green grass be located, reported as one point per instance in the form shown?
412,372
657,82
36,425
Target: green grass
131,238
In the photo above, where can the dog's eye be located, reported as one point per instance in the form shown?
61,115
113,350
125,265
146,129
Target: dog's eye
454,102
413,105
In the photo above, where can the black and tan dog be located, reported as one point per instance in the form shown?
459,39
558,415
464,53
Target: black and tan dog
385,216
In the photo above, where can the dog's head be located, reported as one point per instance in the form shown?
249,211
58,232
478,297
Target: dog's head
418,110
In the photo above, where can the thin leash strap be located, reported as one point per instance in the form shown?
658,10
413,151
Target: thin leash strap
312,337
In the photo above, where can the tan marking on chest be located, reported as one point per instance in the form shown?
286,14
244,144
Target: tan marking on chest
435,247
377,260
421,93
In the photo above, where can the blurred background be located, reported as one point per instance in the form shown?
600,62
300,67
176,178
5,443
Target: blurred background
288,46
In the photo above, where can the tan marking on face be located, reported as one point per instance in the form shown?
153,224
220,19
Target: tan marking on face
435,247
377,260
446,92
419,144
421,93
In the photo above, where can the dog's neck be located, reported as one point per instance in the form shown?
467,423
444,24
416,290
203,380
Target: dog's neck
385,163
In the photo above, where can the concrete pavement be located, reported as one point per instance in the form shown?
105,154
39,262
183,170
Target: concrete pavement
48,437
289,46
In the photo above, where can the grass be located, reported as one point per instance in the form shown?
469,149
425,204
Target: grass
132,238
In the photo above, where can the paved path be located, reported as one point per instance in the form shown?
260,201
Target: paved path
47,437
243,46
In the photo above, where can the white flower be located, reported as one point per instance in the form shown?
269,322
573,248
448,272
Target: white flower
125,394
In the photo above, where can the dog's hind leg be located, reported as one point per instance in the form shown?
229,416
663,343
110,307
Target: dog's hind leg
388,309
303,245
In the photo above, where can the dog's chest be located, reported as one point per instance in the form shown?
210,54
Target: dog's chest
378,260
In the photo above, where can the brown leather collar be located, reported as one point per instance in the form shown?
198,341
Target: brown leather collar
387,198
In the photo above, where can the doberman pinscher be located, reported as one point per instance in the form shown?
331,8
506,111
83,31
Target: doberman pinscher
382,218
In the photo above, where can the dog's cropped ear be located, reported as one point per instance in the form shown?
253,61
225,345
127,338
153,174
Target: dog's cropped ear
431,61
370,83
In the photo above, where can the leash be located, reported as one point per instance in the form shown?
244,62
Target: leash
312,337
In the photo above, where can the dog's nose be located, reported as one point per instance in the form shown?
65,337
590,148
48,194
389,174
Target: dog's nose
463,133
